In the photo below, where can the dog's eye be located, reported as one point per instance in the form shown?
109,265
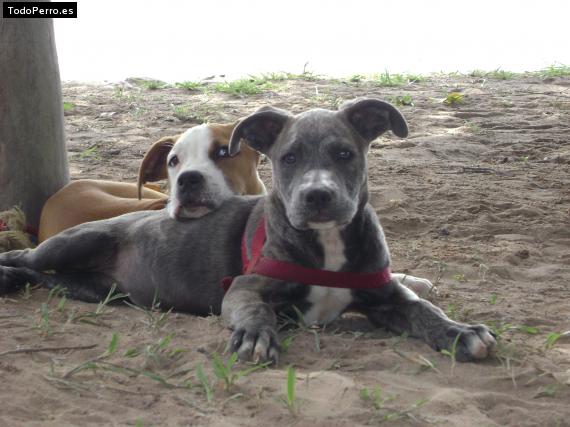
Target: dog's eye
344,155
223,151
290,158
173,161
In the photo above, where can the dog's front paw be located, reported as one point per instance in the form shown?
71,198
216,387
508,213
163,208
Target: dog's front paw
469,342
257,343
422,287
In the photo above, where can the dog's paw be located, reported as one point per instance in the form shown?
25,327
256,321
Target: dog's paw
421,287
475,342
259,344
11,279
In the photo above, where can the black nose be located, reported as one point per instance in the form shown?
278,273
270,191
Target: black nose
318,198
188,181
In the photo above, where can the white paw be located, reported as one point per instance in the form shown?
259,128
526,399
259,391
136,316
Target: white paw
422,287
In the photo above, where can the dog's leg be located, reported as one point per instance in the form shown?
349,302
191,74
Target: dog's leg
251,319
80,248
404,312
88,287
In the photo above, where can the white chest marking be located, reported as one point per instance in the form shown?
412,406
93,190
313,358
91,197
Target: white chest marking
328,303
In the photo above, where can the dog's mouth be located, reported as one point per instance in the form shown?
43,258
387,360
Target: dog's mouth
193,209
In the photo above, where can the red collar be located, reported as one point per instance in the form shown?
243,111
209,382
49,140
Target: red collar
287,271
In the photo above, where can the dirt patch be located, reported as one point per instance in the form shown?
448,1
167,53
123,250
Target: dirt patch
477,199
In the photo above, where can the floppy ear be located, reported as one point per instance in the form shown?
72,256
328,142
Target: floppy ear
153,166
371,118
260,130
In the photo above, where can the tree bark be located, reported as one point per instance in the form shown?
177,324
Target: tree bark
33,155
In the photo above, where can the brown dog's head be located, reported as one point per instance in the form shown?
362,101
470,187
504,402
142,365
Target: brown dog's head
200,171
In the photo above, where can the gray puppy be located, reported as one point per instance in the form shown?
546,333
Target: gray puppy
317,216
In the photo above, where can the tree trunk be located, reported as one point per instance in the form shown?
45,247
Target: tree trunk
33,155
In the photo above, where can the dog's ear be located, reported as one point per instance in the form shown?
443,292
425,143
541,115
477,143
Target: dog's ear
372,117
259,130
153,166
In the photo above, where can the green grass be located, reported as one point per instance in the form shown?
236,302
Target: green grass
459,278
68,106
290,396
155,318
402,100
453,98
226,373
556,70
120,94
153,84
500,74
186,114
191,86
386,79
91,317
273,77
551,339
205,383
452,353
91,152
242,87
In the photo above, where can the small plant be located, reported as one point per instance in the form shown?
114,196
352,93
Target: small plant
453,98
121,95
453,353
90,152
93,363
473,128
452,312
548,391
291,398
154,317
404,100
153,84
306,75
357,78
190,86
43,323
531,330
298,321
286,343
242,87
501,74
225,373
375,397
551,339
92,316
415,78
459,278
477,73
68,106
27,291
271,77
205,383
388,80
556,70
493,299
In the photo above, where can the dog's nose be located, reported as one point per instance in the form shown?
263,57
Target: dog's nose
318,198
190,180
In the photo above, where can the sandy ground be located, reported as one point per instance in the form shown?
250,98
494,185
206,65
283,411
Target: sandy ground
477,199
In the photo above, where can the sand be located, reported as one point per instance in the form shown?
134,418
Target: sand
477,200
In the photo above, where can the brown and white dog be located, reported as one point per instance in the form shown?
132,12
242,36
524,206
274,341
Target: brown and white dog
201,176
